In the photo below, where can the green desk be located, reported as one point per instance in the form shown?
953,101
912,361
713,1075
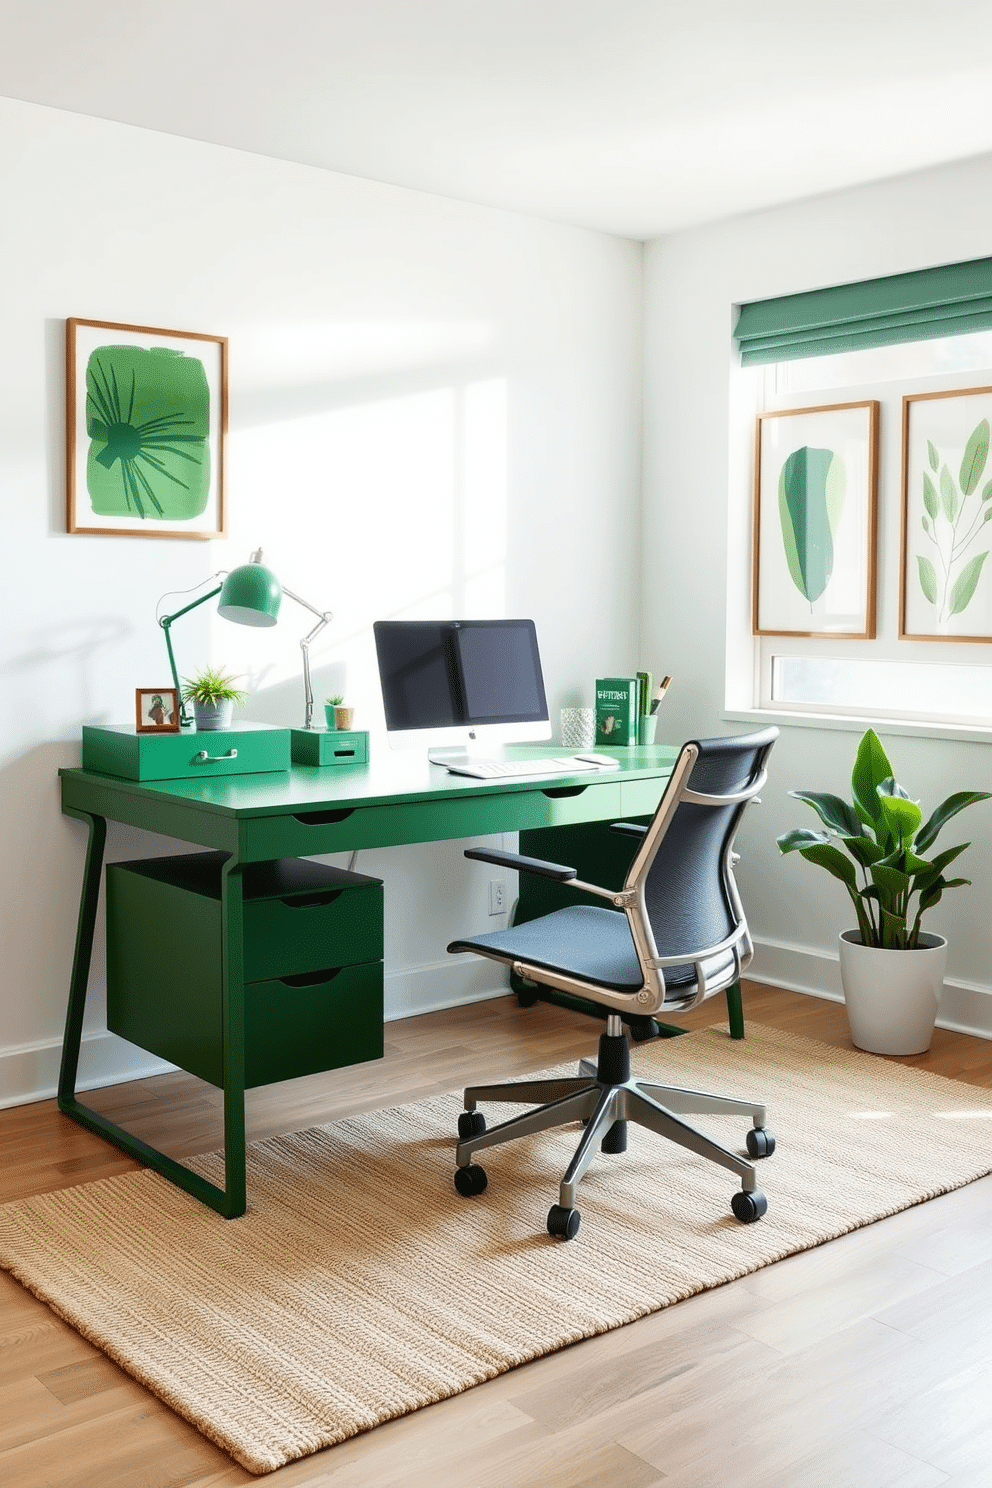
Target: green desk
303,812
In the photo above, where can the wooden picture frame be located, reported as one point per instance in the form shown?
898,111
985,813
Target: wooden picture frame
146,430
156,710
815,514
945,581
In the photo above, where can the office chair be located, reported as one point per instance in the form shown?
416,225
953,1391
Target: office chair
681,936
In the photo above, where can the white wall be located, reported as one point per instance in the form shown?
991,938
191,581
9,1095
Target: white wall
692,282
434,409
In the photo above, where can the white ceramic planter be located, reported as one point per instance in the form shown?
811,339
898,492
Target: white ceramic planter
892,996
211,716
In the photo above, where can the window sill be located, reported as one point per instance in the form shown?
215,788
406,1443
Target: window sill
965,733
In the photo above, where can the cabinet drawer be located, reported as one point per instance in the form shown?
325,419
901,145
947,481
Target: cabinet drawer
295,934
242,749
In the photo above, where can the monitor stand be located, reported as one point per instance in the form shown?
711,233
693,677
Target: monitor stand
460,755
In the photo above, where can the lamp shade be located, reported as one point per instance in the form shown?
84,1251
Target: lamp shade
250,595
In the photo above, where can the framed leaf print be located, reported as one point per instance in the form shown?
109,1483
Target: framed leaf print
946,579
816,478
146,424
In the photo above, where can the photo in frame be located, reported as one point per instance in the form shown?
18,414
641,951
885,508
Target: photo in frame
946,575
146,426
156,710
815,498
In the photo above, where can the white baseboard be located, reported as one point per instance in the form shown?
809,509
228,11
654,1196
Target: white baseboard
30,1072
965,1007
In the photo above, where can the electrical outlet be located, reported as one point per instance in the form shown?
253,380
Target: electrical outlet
497,896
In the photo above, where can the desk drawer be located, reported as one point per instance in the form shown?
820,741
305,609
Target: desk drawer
478,814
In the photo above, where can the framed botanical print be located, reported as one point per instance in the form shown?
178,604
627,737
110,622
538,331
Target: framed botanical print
146,424
815,493
946,578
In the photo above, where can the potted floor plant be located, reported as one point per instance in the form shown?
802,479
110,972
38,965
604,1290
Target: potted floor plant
892,970
213,695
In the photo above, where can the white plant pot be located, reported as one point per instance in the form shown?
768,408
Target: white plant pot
892,996
211,716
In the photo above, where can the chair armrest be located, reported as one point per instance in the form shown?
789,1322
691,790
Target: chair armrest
556,871
628,829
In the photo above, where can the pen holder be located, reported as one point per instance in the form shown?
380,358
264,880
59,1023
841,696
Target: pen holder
647,726
578,728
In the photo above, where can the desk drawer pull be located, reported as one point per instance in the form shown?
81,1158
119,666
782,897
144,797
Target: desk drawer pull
323,818
312,901
560,792
310,978
204,758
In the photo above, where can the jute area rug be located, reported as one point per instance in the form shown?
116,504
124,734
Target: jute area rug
360,1286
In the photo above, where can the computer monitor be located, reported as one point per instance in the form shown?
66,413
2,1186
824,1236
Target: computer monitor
461,687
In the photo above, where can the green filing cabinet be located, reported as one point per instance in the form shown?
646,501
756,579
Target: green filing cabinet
312,964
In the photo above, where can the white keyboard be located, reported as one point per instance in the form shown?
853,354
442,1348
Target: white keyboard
539,768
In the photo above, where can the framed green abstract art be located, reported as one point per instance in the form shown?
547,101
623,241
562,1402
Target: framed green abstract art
947,511
146,423
815,488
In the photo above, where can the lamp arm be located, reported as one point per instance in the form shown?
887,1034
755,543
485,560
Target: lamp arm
166,623
323,618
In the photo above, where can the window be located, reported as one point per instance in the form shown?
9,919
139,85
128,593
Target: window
946,682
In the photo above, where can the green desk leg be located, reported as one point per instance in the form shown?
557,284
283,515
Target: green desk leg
229,1201
735,1010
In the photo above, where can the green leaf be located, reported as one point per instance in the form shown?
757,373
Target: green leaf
799,838
928,578
925,524
930,494
864,849
893,936
948,494
987,492
871,767
891,787
966,583
833,811
932,454
810,496
825,855
976,453
943,814
890,880
902,817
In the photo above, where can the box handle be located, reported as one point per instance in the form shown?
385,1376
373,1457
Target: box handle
311,978
313,901
203,757
323,818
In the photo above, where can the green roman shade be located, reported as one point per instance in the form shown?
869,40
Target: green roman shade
944,301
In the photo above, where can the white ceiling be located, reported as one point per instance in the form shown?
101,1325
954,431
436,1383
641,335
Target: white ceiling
632,116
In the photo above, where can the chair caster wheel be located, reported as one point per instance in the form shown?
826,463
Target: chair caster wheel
563,1223
760,1142
748,1207
471,1124
471,1181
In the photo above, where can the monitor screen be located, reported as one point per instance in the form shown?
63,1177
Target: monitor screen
462,675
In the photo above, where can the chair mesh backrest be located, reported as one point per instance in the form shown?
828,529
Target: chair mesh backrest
686,891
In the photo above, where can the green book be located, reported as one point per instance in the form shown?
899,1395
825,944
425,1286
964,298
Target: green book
617,703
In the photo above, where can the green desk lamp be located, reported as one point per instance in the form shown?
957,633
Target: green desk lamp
250,595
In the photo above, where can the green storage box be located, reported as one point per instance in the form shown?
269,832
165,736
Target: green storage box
321,746
242,749
312,964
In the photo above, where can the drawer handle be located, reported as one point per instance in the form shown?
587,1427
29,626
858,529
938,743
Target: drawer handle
313,901
559,792
311,978
203,757
323,818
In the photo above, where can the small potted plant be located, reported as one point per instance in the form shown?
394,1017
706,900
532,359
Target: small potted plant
337,714
213,695
891,970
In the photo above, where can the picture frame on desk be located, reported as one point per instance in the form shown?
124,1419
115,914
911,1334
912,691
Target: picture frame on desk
156,710
146,427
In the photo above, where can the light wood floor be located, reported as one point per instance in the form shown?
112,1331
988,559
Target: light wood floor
865,1362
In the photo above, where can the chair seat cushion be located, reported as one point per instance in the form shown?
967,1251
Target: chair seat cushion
593,944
